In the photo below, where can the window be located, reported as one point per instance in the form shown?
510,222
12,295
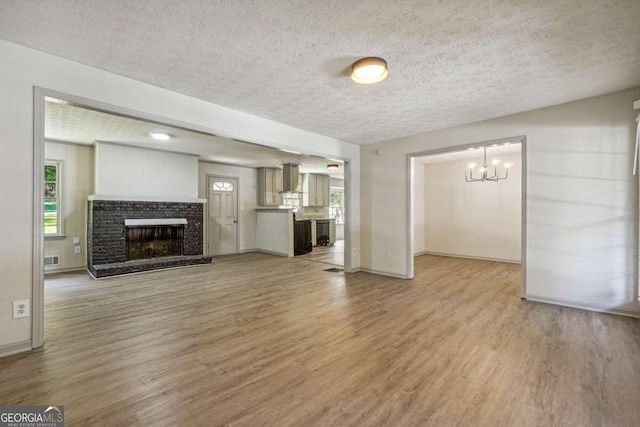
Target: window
222,186
336,205
52,217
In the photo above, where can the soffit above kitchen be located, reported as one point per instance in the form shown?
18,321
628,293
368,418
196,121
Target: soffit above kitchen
450,62
75,124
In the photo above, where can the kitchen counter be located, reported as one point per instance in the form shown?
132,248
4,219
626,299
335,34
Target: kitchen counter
274,210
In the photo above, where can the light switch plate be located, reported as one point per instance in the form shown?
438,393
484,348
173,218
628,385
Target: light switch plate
21,308
76,240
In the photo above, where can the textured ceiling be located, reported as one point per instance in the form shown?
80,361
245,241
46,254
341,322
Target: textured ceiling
74,124
451,62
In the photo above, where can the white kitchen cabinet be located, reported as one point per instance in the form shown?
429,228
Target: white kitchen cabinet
323,186
269,186
315,190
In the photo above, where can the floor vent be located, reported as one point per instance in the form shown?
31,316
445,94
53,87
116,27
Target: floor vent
334,270
51,260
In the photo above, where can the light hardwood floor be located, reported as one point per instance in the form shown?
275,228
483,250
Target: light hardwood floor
333,254
262,340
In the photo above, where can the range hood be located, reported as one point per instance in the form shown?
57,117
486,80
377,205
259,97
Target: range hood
290,178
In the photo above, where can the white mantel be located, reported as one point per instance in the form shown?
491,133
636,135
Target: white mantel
154,221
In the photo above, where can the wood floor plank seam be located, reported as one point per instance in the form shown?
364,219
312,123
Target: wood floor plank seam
257,339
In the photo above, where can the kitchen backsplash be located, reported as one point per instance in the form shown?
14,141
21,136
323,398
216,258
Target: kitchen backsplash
315,212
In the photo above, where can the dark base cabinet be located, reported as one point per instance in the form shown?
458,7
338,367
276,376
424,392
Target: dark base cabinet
302,237
323,232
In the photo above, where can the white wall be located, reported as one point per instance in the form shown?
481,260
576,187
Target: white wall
419,231
23,68
247,197
336,182
274,232
581,199
76,186
136,172
472,219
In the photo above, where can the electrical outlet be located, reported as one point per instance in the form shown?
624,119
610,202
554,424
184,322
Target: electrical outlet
77,250
21,308
354,251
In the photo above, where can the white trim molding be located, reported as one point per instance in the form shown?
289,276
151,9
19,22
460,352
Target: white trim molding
583,306
14,348
265,251
154,221
37,284
510,261
381,273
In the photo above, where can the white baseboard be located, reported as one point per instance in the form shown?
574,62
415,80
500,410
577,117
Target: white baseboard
64,270
583,306
468,257
246,251
264,251
14,348
378,272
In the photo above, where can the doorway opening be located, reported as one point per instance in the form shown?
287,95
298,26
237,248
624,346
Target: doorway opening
217,161
469,202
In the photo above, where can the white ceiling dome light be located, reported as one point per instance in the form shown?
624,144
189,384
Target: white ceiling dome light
160,136
369,70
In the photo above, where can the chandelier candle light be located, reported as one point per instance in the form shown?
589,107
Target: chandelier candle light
484,170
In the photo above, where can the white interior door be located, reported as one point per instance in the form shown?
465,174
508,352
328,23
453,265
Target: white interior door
223,215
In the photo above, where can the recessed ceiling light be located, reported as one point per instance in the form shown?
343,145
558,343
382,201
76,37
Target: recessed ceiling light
369,70
333,166
160,136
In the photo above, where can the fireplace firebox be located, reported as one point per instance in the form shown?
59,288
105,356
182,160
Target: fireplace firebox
154,241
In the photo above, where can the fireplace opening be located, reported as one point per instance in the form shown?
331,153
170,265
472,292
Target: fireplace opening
154,241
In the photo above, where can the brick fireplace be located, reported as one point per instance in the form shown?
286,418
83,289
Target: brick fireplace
127,236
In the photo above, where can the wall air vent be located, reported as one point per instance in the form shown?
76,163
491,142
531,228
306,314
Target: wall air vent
51,260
